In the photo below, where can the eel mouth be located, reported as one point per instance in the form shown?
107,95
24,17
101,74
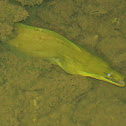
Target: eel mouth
119,83
122,82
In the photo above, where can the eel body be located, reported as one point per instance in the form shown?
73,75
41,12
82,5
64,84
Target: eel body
38,42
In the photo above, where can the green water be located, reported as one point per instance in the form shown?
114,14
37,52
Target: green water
34,92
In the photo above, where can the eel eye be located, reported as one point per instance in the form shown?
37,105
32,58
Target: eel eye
109,75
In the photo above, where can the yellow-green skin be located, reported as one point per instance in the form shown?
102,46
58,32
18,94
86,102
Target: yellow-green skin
38,42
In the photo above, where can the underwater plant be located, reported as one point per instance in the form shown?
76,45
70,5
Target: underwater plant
30,2
9,14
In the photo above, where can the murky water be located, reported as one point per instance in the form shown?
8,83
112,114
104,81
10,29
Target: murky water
33,92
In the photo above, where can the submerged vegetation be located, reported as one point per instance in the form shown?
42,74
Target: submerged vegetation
30,2
11,13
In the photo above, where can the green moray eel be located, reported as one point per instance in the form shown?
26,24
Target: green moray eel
38,42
